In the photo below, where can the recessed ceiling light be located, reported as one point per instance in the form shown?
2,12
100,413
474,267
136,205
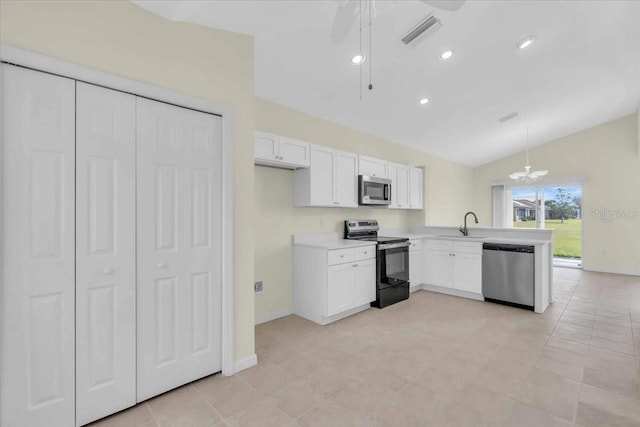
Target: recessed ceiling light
424,101
525,42
358,59
446,54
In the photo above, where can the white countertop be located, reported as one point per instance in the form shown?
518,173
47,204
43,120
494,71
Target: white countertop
335,244
472,239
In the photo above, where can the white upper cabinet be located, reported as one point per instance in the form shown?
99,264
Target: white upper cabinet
415,188
280,151
406,187
331,179
370,166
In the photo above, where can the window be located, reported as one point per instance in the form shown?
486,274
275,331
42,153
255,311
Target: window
556,207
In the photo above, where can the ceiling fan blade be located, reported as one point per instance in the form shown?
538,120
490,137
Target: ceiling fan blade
343,21
539,173
449,5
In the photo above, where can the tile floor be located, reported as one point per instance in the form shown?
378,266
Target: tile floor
433,360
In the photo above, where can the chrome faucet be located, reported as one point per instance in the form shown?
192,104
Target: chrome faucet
464,230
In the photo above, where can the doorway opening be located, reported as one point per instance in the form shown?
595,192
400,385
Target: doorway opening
556,207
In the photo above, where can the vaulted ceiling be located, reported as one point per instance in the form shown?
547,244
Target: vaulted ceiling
582,70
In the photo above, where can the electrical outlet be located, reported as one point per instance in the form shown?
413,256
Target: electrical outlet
258,287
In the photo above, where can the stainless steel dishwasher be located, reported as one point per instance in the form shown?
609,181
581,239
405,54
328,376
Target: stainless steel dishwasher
508,274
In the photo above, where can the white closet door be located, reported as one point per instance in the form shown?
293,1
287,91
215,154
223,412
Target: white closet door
105,252
38,355
179,246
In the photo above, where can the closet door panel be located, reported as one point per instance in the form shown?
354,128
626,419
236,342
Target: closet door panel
105,251
38,355
202,134
160,204
179,240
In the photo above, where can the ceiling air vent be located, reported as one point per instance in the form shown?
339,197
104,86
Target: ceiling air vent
508,117
426,27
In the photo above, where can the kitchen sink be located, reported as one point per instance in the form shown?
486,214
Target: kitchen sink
462,237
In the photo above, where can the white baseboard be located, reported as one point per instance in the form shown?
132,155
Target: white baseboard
263,318
454,292
245,363
612,271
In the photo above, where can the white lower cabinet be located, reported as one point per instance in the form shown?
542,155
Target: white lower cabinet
331,284
453,264
102,308
340,289
415,264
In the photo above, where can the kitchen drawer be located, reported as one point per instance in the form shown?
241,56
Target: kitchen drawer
339,256
364,252
468,247
439,245
416,245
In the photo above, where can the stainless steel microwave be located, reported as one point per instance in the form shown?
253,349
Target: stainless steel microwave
373,190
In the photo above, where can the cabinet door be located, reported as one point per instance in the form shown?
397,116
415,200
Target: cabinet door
403,187
415,188
415,268
364,281
393,176
346,179
294,152
38,227
266,146
179,246
105,252
340,288
438,266
467,272
322,176
373,167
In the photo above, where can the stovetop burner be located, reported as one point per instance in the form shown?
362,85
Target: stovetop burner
380,239
357,229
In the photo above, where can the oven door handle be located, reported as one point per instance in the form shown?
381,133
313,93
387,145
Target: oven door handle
386,246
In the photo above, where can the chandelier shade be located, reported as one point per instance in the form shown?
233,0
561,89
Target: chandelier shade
527,176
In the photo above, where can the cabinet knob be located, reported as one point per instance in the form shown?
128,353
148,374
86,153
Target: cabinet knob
162,265
108,270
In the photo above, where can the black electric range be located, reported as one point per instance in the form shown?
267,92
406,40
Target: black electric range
392,261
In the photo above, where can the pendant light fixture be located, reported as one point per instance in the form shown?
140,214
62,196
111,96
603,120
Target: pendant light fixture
527,176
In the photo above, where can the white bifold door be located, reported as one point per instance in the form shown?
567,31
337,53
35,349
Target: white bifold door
105,252
110,226
179,204
38,246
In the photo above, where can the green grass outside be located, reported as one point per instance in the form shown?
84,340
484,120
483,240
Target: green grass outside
567,238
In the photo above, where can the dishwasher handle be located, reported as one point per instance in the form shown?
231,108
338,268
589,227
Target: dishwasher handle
527,249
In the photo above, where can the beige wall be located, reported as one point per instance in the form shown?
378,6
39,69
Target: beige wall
448,196
607,156
120,38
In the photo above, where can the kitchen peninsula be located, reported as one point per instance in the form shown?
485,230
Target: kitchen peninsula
442,260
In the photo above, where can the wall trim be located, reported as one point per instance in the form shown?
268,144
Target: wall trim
611,271
245,363
267,317
36,61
